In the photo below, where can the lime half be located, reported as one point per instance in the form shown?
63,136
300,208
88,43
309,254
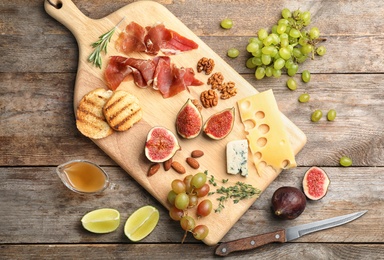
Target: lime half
141,223
101,220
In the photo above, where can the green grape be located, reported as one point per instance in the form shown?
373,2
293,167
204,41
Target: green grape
182,201
262,34
285,53
305,16
275,38
294,33
257,53
320,50
316,115
200,232
283,21
204,208
178,186
276,73
266,59
306,76
175,213
268,40
268,50
296,52
345,161
279,64
314,33
284,36
286,13
303,41
260,73
274,27
281,28
289,63
187,223
284,42
303,98
226,23
306,49
301,59
268,71
292,70
331,115
292,40
193,200
233,53
251,47
249,64
253,39
202,191
296,15
291,84
198,180
257,61
171,197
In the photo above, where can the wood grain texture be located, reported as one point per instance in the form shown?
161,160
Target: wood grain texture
39,217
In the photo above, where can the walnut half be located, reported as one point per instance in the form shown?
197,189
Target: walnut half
209,98
205,64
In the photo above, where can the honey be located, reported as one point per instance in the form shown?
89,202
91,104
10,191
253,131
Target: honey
83,176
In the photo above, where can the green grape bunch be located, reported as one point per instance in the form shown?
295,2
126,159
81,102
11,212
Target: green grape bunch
287,45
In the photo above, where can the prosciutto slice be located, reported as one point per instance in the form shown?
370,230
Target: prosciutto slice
158,72
153,39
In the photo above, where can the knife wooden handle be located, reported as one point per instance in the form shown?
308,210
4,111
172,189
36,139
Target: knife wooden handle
250,242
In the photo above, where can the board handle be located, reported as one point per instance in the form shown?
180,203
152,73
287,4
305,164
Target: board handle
67,13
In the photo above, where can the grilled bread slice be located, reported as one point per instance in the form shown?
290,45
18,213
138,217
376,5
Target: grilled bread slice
122,110
90,118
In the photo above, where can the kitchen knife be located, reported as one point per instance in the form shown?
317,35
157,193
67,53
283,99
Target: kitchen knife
284,235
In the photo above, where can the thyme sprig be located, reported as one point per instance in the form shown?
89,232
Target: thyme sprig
101,46
237,192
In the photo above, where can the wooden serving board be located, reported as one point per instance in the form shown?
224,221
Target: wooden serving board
127,148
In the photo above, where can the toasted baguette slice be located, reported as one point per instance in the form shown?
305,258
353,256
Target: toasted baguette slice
90,118
122,110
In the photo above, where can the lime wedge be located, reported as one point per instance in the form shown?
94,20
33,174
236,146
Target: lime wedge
101,220
141,223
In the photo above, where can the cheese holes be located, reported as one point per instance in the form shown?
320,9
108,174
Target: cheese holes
263,129
260,115
261,142
249,125
245,105
285,163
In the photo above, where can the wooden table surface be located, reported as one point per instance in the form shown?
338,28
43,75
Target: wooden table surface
40,218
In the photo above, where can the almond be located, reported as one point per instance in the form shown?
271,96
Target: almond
178,167
193,163
197,153
153,169
167,164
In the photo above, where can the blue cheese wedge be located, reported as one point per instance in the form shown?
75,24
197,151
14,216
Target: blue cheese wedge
237,157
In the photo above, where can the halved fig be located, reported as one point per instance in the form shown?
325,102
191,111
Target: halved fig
161,144
315,183
189,121
220,124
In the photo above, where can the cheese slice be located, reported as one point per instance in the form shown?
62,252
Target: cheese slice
266,134
237,157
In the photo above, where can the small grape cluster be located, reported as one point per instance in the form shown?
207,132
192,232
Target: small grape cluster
184,195
285,47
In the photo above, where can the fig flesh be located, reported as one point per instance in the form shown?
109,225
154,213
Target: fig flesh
161,144
315,183
189,121
288,202
219,125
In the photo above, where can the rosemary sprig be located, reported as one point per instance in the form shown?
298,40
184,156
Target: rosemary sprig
237,192
101,46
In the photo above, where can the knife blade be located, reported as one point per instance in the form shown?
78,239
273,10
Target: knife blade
284,235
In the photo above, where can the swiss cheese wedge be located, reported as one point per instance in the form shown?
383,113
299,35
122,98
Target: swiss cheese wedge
266,134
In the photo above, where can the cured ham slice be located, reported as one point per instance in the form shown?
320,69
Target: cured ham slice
158,72
153,39
131,39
